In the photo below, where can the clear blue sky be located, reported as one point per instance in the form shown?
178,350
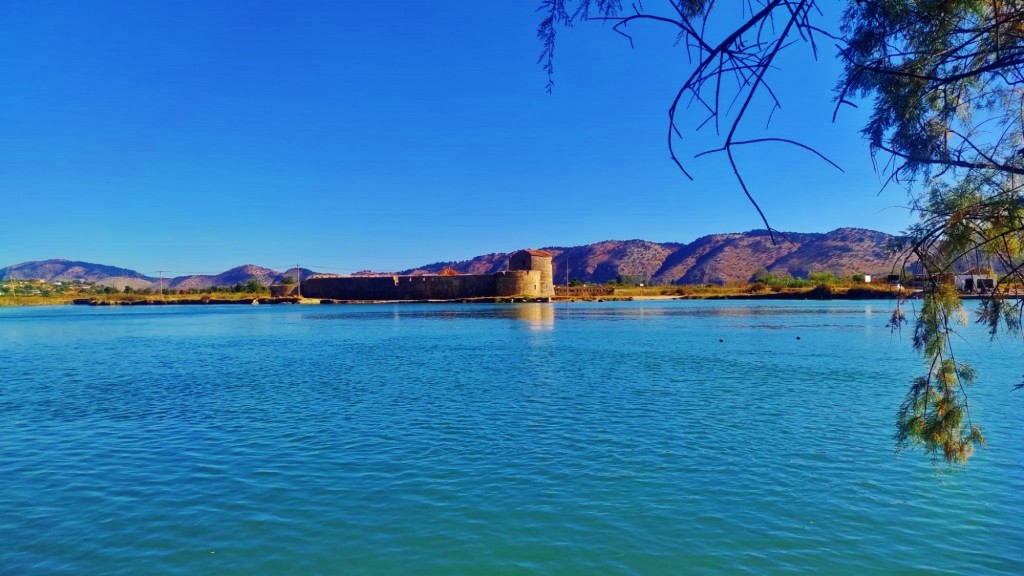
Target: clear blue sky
195,136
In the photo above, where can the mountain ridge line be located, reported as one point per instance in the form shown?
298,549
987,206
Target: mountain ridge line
724,258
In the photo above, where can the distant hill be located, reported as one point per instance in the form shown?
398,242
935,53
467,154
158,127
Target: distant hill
713,259
237,275
67,270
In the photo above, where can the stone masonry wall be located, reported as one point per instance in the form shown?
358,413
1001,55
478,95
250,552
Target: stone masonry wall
535,260
515,283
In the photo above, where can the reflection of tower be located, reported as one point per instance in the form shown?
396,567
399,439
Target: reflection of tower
537,316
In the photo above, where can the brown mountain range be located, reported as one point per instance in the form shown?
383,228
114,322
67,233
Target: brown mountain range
713,259
236,275
67,270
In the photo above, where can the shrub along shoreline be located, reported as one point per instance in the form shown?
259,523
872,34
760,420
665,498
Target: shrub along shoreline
753,291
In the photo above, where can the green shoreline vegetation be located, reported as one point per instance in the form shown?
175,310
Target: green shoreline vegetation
42,293
763,286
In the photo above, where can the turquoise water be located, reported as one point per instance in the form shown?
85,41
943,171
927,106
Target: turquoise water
615,438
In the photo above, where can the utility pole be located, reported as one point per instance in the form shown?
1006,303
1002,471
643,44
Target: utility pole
161,272
298,280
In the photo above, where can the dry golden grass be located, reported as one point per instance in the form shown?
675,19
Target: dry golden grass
755,290
61,299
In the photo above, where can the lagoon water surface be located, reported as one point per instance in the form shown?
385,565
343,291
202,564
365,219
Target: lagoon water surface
491,439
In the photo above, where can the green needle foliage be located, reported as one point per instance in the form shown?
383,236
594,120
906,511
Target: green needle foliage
945,82
935,413
979,220
944,76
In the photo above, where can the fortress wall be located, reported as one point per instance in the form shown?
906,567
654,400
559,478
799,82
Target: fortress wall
547,280
519,283
535,260
402,287
529,275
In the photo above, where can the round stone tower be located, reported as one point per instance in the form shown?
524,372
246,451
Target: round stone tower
539,260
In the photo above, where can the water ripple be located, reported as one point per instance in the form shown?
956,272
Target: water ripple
605,438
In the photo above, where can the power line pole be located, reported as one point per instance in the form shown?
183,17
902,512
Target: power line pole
298,280
161,272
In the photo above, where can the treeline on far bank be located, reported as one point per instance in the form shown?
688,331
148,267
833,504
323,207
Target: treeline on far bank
252,286
763,285
37,292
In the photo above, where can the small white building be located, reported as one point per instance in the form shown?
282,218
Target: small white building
971,282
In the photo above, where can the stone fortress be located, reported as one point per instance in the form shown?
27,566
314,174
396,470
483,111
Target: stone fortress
529,275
